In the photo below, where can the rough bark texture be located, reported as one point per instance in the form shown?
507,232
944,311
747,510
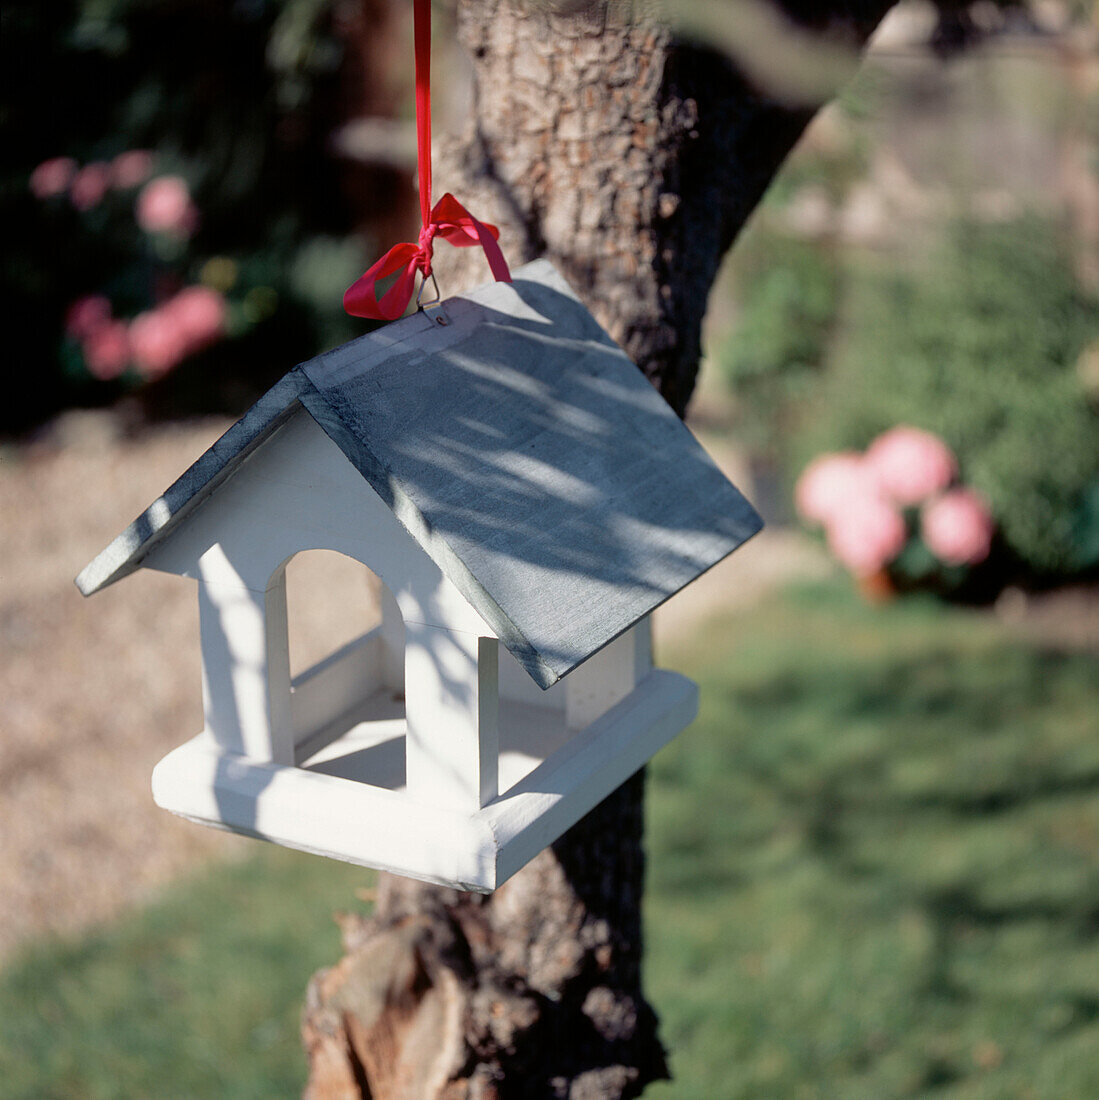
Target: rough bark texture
631,159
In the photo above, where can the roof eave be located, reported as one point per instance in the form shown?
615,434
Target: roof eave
125,553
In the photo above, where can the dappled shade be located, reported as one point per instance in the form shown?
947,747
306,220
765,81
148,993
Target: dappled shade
525,453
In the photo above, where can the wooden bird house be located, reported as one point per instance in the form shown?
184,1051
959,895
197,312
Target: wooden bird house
528,499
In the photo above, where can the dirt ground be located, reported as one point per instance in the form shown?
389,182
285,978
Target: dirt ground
92,692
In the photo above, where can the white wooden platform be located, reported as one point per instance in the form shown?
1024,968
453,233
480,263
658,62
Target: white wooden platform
346,797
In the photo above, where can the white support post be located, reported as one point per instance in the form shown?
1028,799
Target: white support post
608,677
393,641
246,667
451,707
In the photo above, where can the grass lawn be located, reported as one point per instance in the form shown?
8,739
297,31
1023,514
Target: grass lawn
875,861
196,996
874,873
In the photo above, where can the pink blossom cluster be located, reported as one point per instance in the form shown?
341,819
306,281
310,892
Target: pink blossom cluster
859,500
160,338
164,205
154,341
87,185
103,339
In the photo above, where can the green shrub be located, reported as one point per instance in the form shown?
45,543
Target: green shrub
788,299
982,348
238,101
979,343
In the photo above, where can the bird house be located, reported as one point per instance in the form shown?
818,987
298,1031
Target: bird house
528,499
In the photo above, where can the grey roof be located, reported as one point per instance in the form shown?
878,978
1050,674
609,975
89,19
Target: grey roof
521,448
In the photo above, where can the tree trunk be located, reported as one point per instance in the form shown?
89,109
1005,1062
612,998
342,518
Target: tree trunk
631,159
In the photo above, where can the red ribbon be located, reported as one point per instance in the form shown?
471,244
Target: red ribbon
448,218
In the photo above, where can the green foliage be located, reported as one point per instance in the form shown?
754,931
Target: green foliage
981,348
237,99
788,300
979,343
874,874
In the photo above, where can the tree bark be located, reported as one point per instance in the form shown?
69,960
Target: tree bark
631,158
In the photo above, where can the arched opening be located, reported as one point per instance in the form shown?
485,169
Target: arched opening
331,600
346,642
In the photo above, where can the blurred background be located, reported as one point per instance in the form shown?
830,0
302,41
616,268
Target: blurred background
874,861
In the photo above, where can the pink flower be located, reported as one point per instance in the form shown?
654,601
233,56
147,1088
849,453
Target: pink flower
830,482
161,337
89,185
87,314
107,350
200,313
132,168
866,534
164,206
911,464
157,342
957,527
52,177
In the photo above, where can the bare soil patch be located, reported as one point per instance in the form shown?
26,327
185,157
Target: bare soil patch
92,692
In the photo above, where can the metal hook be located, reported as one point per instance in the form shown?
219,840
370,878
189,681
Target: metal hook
420,303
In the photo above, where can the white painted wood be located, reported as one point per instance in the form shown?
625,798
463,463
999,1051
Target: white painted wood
245,664
608,677
369,744
368,747
298,492
276,635
528,734
515,683
335,685
488,720
326,815
348,745
517,446
642,648
533,505
554,796
325,812
553,484
451,706
393,641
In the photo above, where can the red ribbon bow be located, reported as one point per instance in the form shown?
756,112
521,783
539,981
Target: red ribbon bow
448,218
